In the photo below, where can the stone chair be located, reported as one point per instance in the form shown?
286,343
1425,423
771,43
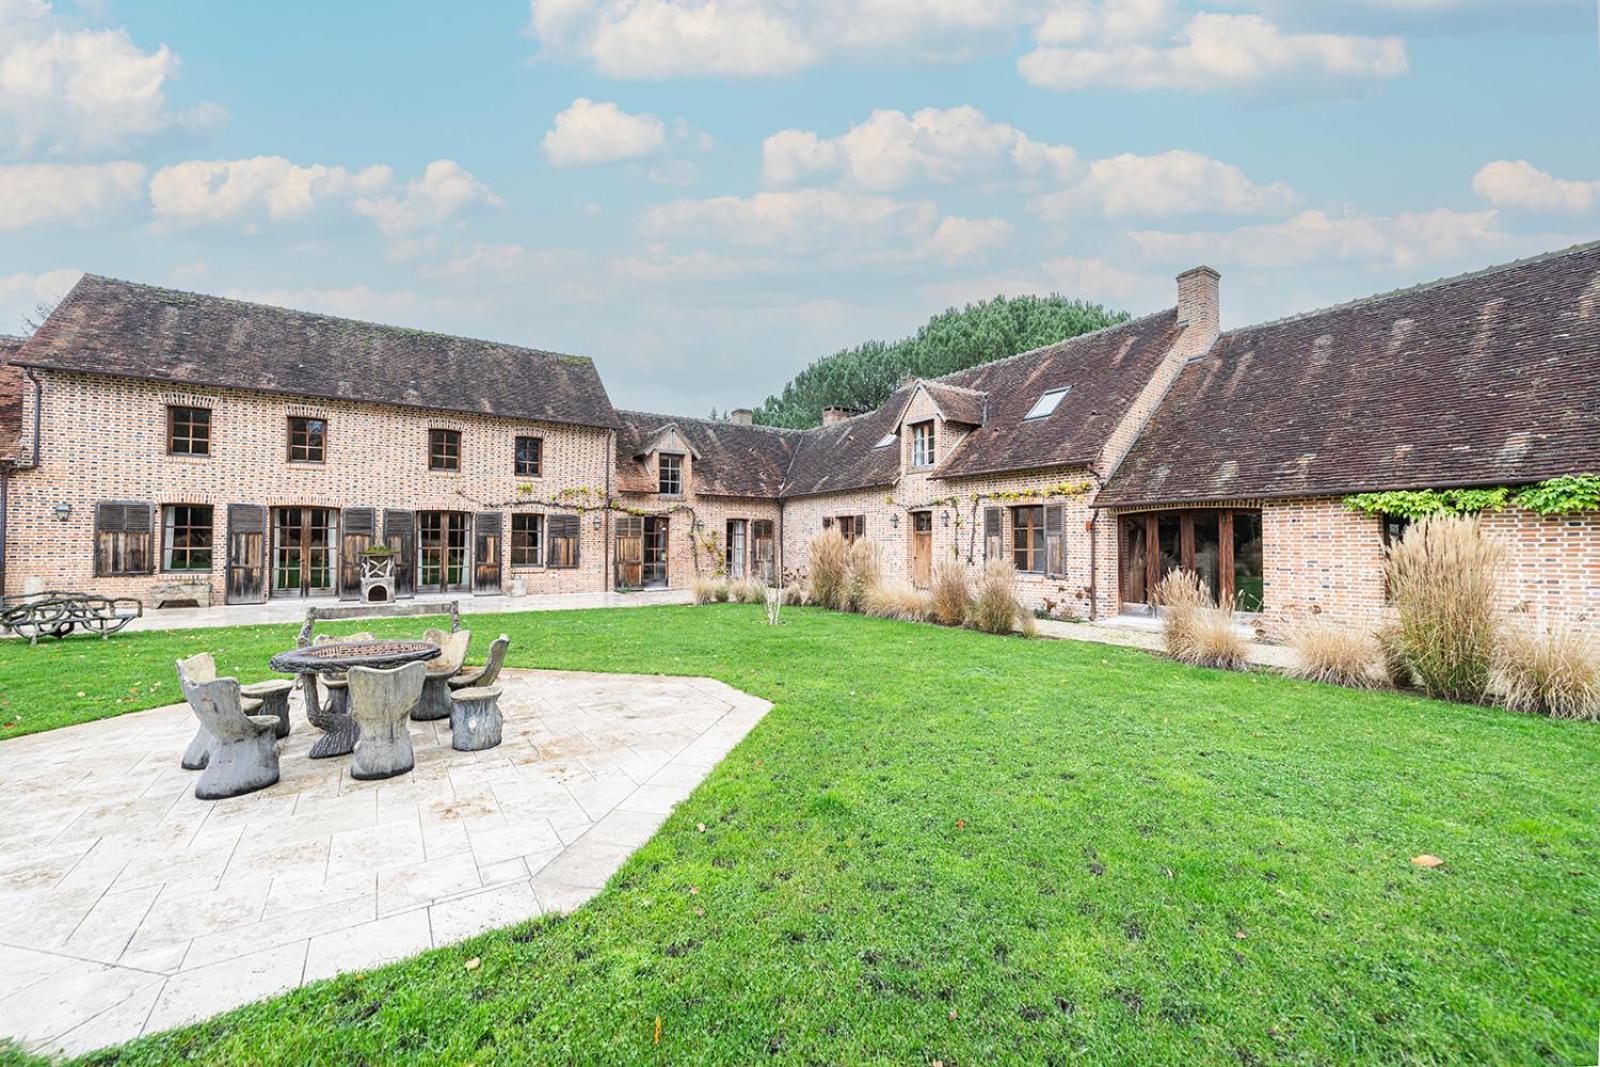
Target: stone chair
381,700
268,698
470,678
435,702
336,687
475,721
242,751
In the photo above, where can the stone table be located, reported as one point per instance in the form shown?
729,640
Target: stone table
339,731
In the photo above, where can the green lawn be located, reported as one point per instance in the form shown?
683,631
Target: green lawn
942,845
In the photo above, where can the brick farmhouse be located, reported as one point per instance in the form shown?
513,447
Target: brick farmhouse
154,441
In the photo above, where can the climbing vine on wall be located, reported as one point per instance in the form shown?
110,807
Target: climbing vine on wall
1566,495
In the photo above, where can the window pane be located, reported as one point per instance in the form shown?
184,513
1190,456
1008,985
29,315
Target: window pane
671,474
529,456
1046,404
189,431
444,450
527,540
306,439
188,537
1249,593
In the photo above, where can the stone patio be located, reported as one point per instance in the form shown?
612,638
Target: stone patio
130,907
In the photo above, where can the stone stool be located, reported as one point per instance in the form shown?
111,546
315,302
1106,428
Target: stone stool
475,718
379,703
274,697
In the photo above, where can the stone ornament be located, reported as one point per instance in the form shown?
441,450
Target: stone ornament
381,700
435,702
242,751
475,720
490,671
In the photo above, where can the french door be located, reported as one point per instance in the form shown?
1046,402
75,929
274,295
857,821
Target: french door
630,552
441,551
653,570
303,552
735,554
763,551
1223,548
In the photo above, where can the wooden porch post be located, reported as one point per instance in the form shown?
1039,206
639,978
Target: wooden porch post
1225,557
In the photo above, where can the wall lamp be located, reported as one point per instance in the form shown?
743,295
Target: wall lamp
894,520
62,511
597,520
944,518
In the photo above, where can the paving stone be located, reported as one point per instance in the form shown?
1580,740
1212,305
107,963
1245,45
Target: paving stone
356,948
461,918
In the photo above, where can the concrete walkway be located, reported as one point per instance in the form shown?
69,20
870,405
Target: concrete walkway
1146,634
132,907
293,609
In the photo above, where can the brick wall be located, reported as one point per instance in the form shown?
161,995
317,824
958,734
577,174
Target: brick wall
697,529
105,439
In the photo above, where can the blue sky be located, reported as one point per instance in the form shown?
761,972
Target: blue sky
705,195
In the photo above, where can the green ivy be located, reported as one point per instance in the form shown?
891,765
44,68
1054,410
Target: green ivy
1557,496
1565,495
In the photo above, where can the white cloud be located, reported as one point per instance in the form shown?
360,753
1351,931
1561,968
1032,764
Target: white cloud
1078,21
1243,53
590,132
35,194
1171,183
891,150
798,220
1522,186
20,294
1314,238
66,90
270,187
764,38
958,240
445,190
1095,279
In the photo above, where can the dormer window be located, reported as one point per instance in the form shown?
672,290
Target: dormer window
922,444
669,474
887,440
1046,404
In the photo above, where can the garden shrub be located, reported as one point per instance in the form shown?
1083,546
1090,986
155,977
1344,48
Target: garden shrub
1443,576
1324,651
829,568
1194,630
896,600
796,595
1553,672
952,593
704,590
995,607
1178,597
748,591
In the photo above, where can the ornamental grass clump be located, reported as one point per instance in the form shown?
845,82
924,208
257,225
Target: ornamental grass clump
1392,658
1326,652
1554,672
704,590
748,591
1194,630
995,607
952,593
829,567
1443,576
796,595
896,600
862,573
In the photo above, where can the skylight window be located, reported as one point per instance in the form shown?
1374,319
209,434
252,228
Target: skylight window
888,439
1047,403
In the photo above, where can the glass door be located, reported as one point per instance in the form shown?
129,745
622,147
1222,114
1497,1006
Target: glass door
736,548
303,553
441,551
654,566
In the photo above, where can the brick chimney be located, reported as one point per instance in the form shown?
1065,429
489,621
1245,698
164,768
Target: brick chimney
742,416
831,415
1199,303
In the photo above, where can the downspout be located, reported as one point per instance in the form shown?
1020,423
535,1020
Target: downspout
9,466
605,552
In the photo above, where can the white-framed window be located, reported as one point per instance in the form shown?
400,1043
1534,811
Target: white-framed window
922,444
1047,403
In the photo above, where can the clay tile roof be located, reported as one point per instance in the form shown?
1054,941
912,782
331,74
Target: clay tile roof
10,398
731,459
1490,378
843,456
140,331
958,404
1105,370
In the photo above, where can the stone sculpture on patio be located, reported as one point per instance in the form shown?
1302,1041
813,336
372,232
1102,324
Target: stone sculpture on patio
475,721
435,702
380,701
241,751
485,675
265,698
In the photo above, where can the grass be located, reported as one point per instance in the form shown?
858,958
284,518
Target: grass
943,845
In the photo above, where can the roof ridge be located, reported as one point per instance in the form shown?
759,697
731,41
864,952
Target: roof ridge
301,313
962,388
1047,347
715,422
1422,287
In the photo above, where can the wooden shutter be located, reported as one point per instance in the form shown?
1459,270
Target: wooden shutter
1055,542
563,531
992,533
488,528
399,533
357,528
247,554
123,532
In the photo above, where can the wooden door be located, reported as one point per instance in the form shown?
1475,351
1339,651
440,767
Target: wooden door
630,552
487,531
763,548
247,554
357,526
922,548
399,533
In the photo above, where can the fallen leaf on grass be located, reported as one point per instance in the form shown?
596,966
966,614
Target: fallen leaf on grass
961,824
474,963
1428,861
700,826
657,1041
